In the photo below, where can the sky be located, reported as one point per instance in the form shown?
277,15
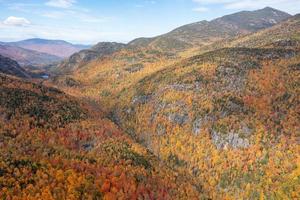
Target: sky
92,21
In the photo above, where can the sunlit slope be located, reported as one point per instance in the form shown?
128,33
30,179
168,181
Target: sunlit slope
104,78
229,116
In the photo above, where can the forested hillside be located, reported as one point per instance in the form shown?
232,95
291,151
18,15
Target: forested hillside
227,114
210,110
55,147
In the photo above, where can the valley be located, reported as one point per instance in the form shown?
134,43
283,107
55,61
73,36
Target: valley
210,110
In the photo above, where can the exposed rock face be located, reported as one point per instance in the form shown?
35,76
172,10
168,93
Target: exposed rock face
231,139
185,87
178,118
141,99
161,129
197,126
96,52
11,67
230,78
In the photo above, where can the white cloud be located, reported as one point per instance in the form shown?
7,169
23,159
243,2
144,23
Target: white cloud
61,3
16,21
201,9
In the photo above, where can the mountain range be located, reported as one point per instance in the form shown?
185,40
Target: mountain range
206,111
59,48
204,92
187,37
38,52
204,32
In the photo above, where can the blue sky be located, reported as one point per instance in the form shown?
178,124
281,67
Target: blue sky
92,21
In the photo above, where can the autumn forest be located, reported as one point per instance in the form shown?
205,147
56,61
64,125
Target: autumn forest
210,110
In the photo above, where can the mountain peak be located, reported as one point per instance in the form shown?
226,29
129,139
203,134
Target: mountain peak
227,26
255,20
273,11
268,8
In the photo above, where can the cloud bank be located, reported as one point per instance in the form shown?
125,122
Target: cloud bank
16,21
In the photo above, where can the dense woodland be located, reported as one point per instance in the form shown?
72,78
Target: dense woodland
159,119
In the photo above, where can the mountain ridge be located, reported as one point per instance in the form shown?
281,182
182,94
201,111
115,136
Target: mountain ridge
226,26
59,48
27,57
194,35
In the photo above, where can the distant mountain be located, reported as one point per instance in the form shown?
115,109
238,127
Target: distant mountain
27,57
57,48
99,50
11,67
205,32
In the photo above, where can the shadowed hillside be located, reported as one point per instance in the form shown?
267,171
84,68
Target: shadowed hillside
11,67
